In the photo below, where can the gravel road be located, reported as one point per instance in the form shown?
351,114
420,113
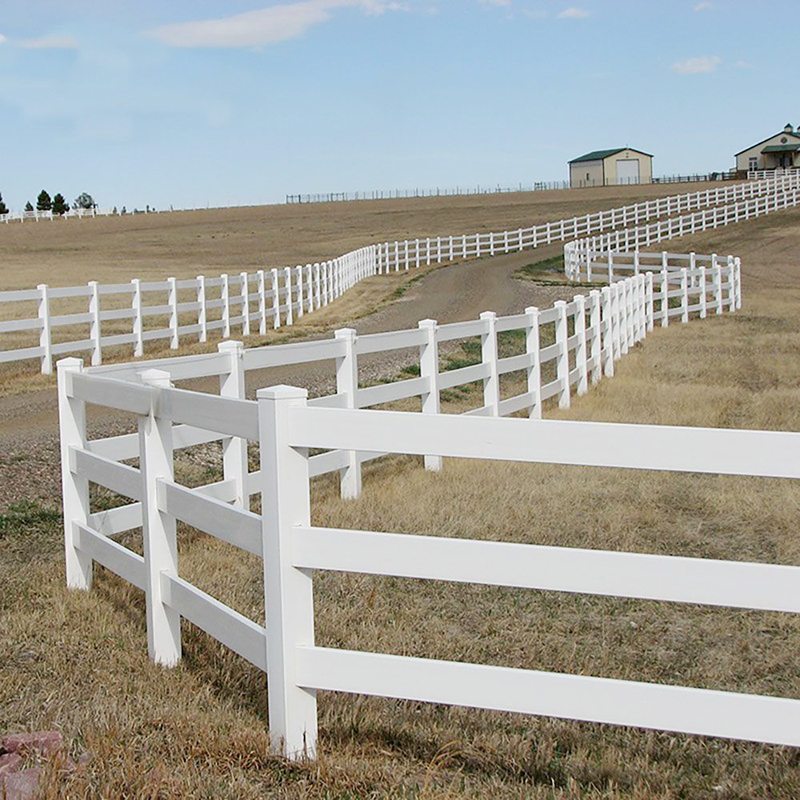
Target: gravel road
29,459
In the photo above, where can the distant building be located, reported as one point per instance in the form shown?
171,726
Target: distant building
781,151
617,167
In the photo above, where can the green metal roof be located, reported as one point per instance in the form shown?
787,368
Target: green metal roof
599,155
781,148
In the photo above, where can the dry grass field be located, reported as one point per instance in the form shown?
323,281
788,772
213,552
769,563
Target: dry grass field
78,662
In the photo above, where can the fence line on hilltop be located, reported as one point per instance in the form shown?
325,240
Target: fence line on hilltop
567,347
268,298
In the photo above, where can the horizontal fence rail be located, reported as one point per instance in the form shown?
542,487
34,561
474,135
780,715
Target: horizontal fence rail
43,323
566,348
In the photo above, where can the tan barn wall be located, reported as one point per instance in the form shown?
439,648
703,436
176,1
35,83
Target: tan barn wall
586,173
645,166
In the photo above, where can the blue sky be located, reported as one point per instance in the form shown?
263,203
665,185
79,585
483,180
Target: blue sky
241,102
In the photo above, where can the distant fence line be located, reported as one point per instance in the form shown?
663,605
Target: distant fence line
142,311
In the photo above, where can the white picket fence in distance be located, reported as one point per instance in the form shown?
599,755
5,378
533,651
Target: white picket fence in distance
590,333
132,314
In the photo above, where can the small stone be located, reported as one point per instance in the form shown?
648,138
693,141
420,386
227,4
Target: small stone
21,785
45,742
9,762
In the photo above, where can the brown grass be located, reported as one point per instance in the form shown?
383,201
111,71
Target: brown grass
77,661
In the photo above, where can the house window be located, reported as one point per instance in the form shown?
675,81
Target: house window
753,162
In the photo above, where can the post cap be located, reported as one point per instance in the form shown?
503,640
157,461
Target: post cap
427,323
532,310
345,333
70,364
488,315
282,392
156,377
230,345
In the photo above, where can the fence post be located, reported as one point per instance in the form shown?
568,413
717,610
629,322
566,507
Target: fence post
202,311
664,298
650,302
429,368
138,332
226,306
702,287
158,528
74,488
596,341
173,312
234,448
731,285
288,591
298,271
276,299
317,287
580,349
94,327
684,295
738,267
347,385
610,267
245,295
309,288
562,359
262,302
607,335
532,346
287,280
622,316
45,336
491,384
616,321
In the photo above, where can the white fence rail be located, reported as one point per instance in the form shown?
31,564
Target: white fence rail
36,216
762,174
588,335
132,314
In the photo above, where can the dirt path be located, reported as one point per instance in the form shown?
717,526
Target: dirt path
29,426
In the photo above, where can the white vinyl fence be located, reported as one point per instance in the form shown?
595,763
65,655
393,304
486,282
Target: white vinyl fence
762,174
36,216
132,314
588,335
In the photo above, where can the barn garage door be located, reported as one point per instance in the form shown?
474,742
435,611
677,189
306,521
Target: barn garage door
628,170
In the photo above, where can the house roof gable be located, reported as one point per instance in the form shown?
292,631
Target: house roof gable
599,155
763,141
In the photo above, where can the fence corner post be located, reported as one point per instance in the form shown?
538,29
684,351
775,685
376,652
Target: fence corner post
429,368
347,384
158,527
74,488
234,448
288,590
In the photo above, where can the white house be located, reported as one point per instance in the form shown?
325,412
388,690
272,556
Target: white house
781,151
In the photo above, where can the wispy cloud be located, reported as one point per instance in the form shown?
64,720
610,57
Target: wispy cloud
743,65
697,65
2,38
505,3
573,12
704,5
48,43
264,26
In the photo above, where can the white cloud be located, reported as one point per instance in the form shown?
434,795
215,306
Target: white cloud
2,38
697,65
48,43
497,2
574,13
743,65
264,26
704,5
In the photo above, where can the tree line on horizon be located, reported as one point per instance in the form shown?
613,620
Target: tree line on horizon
57,204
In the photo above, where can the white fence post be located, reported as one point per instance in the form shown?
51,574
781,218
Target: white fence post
347,385
94,327
607,336
702,288
158,528
298,271
716,273
234,448
262,302
245,295
429,368
288,591
74,487
664,298
202,310
226,306
616,321
731,285
532,348
276,300
287,280
610,267
650,311
45,336
562,359
138,332
173,313
491,384
684,294
622,288
596,340
309,289
580,349
738,268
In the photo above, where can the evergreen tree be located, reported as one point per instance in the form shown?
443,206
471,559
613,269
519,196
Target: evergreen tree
28,206
3,206
84,200
43,202
60,205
